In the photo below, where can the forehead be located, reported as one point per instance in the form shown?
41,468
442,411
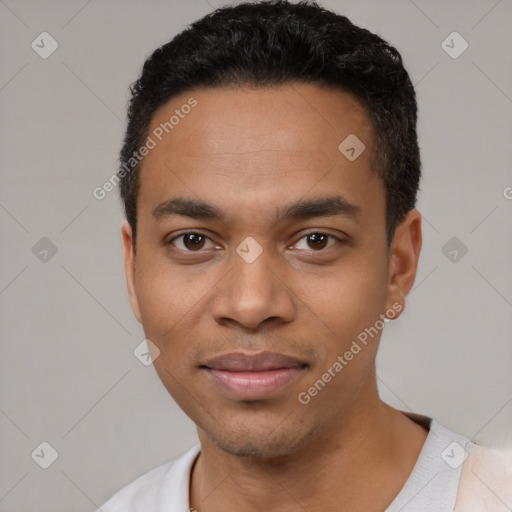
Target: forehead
287,118
257,144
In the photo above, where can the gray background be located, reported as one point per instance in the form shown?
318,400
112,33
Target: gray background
68,374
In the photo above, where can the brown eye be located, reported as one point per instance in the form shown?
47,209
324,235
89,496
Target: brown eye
190,242
315,241
193,241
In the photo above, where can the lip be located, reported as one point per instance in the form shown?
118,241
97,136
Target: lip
242,376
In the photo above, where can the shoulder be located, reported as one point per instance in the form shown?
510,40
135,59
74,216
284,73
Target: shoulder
432,485
145,493
142,492
486,479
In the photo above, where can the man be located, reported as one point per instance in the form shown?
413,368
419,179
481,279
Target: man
269,175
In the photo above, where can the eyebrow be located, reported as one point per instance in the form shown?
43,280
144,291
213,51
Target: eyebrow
301,210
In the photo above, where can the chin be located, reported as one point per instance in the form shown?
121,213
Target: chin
261,441
486,480
259,445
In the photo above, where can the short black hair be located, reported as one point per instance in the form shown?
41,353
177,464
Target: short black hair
270,43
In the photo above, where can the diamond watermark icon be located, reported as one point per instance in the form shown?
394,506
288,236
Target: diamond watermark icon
454,455
44,45
44,455
454,45
351,147
44,249
454,249
249,249
146,352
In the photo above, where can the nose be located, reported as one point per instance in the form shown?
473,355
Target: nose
254,293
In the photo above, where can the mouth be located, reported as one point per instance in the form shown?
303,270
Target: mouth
260,376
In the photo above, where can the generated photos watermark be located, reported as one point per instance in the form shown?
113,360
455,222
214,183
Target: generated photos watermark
158,134
343,360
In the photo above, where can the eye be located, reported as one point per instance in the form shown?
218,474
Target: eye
316,241
190,242
193,241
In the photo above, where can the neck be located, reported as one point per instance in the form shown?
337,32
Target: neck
359,463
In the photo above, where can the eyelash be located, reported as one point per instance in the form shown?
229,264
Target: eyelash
339,240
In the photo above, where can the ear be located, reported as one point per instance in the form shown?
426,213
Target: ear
403,261
129,268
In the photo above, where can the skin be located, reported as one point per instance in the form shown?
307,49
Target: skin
250,152
485,479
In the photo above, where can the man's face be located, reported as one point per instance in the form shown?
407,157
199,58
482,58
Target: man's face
210,300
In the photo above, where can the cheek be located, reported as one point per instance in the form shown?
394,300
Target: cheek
351,307
165,294
183,388
171,304
355,296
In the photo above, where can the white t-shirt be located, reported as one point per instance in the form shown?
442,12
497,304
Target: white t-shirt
431,486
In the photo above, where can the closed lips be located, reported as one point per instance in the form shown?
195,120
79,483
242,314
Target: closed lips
250,377
265,361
